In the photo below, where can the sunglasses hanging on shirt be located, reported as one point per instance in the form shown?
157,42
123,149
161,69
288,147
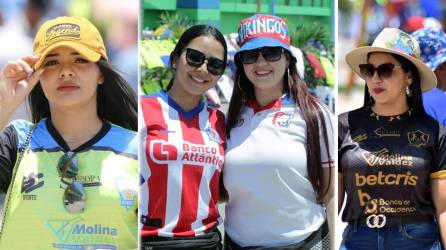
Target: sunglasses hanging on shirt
74,195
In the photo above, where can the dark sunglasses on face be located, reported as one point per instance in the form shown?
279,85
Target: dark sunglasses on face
271,54
196,58
74,195
384,70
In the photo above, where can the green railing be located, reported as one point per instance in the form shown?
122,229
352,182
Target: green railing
228,17
281,7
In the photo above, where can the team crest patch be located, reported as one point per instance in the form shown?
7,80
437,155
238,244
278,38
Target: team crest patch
63,30
127,191
282,119
418,138
212,134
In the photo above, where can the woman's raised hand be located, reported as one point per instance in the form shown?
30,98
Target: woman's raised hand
18,81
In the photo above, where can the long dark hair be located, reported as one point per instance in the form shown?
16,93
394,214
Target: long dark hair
190,34
311,111
116,101
414,101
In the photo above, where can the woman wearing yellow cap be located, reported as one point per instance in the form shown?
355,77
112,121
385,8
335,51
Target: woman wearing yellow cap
71,175
392,155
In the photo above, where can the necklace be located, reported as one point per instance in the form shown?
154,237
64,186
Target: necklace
404,115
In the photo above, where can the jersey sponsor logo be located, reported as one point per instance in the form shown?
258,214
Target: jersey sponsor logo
380,179
94,229
75,231
418,138
383,158
127,191
87,181
166,131
383,132
360,138
162,152
282,119
30,183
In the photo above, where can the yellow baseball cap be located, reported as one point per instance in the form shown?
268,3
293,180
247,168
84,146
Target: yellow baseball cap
74,32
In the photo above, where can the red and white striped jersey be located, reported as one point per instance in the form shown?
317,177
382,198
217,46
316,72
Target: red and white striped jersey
182,155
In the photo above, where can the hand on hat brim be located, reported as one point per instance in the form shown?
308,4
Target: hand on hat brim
83,50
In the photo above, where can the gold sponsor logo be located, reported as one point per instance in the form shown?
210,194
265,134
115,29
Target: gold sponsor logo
63,30
406,179
372,206
360,138
382,132
382,158
418,138
29,197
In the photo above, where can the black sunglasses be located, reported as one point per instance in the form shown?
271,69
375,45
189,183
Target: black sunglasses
384,70
196,58
74,195
271,54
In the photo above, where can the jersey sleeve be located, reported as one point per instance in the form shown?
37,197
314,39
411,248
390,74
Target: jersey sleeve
9,144
327,150
438,170
343,128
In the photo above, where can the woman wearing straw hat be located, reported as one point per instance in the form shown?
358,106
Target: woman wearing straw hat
71,176
278,163
392,155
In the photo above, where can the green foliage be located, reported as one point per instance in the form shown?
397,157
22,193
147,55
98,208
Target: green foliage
155,79
306,32
313,38
345,5
176,22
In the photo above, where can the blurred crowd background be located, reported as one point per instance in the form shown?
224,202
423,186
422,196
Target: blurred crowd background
117,21
360,21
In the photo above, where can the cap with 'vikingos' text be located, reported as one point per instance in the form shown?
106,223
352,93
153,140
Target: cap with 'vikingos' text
263,31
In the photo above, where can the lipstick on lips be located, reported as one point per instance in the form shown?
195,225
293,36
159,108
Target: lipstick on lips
68,86
378,90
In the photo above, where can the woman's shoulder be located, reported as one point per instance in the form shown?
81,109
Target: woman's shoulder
125,135
161,94
355,114
121,140
21,125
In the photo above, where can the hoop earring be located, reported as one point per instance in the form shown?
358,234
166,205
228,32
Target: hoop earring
408,91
